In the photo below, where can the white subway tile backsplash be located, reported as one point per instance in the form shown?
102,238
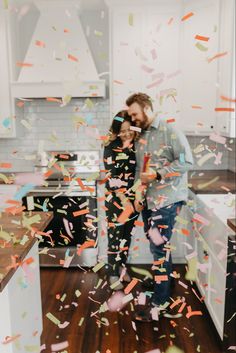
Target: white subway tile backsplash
57,127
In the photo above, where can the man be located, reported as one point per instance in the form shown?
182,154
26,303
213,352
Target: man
162,189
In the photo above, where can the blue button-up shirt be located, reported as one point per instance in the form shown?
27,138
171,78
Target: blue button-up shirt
171,157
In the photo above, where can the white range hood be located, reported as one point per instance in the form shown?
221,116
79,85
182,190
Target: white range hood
58,61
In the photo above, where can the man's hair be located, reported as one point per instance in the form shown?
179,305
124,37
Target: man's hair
141,98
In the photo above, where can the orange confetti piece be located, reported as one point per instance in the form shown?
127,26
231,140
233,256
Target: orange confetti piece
52,99
14,202
123,217
118,82
182,307
9,339
172,120
196,107
144,142
72,57
227,99
185,231
131,285
174,174
104,208
117,205
219,55
175,303
159,262
20,104
81,212
85,245
40,43
187,16
48,173
223,109
192,313
139,223
15,210
161,278
204,39
5,165
66,30
21,64
100,199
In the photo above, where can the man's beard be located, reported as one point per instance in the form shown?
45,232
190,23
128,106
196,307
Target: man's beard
143,124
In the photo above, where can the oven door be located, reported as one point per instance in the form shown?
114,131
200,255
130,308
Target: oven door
74,222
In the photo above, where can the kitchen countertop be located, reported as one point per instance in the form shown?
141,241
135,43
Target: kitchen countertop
212,181
16,240
232,223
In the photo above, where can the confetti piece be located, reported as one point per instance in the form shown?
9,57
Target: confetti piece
131,19
160,278
98,33
72,58
191,274
187,16
172,120
204,39
77,293
201,186
135,128
59,346
222,109
205,158
53,318
154,54
97,267
131,285
196,107
219,55
142,272
170,21
10,339
192,313
227,99
147,69
125,214
217,138
6,165
200,46
118,82
81,212
26,124
40,43
52,99
85,245
21,64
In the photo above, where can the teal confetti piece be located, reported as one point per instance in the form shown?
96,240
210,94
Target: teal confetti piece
119,118
23,191
6,122
182,158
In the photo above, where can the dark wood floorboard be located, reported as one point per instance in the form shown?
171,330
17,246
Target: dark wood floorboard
116,332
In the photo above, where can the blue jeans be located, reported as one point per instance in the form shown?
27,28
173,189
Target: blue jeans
157,218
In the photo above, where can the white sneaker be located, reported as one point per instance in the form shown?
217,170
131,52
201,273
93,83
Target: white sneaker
113,280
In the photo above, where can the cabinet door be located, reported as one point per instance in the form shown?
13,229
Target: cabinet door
7,119
199,72
226,69
217,287
145,54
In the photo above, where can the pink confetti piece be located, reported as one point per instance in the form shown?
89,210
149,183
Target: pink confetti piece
147,69
154,54
217,138
59,346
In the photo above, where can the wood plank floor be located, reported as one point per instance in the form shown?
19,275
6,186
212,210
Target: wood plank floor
116,332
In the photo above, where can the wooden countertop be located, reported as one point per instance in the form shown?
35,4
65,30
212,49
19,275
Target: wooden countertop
232,223
212,181
17,238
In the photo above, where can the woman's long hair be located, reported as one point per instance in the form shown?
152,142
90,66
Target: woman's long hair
115,127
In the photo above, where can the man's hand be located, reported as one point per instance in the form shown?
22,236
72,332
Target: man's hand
148,177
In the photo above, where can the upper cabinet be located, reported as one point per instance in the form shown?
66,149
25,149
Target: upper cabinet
7,110
181,54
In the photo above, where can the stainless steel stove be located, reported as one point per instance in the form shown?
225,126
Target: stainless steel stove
70,192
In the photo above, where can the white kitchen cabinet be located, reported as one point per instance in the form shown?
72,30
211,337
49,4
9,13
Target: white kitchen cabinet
150,44
145,53
7,111
20,307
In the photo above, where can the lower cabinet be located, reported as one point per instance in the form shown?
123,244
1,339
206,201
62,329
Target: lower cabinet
20,308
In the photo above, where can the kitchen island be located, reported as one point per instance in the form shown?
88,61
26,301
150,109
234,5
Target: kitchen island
20,295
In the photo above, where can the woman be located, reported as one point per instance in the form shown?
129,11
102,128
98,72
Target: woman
119,161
